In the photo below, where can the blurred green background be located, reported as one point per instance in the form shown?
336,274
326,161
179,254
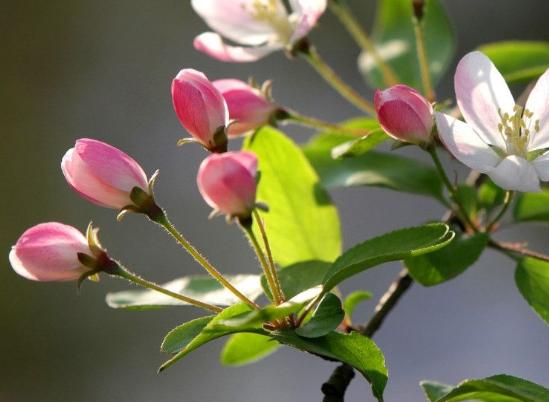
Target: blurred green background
103,69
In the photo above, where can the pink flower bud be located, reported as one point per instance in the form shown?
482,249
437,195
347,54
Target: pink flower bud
248,107
228,182
404,114
102,173
201,109
49,252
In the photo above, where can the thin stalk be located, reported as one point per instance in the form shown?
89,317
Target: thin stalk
139,281
517,248
163,221
506,203
349,21
330,76
423,61
265,238
307,121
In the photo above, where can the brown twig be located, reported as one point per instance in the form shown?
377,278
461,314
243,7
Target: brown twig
518,248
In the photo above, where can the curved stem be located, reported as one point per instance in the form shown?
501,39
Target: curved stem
123,272
345,15
310,54
506,203
423,61
163,221
292,116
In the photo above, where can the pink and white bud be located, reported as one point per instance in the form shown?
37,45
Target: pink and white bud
228,182
102,173
201,109
49,252
404,114
248,107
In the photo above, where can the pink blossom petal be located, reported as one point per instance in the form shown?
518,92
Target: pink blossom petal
465,144
482,94
307,14
212,44
517,174
538,103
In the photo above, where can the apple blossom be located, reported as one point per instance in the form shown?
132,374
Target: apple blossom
404,114
228,182
201,109
261,26
249,108
102,173
49,252
506,141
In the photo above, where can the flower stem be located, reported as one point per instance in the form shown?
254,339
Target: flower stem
163,221
506,203
423,61
288,115
330,76
349,21
123,272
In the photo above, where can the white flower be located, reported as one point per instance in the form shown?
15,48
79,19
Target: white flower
506,141
262,26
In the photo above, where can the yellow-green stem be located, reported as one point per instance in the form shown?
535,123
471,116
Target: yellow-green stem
349,21
423,61
289,115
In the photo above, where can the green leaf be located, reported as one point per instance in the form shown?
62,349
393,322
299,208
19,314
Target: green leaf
180,336
245,348
447,263
354,299
532,207
371,169
214,329
498,388
302,223
394,37
203,288
326,318
299,277
354,349
518,61
467,197
359,146
532,279
392,246
435,390
489,195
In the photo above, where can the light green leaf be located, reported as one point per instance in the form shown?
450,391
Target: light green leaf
392,246
518,61
532,207
532,279
447,263
299,277
245,348
371,169
354,299
435,390
394,37
354,349
498,388
302,223
203,288
326,318
359,146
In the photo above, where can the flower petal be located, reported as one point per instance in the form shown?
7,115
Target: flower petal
481,94
212,44
541,165
516,173
235,20
465,144
306,14
538,103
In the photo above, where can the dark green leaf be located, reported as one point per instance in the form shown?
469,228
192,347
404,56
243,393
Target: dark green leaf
354,299
359,146
498,388
392,246
245,348
532,278
181,335
435,390
203,288
518,61
326,318
394,38
354,349
532,207
302,223
299,277
447,263
371,169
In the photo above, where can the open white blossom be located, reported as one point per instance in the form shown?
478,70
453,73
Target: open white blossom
506,141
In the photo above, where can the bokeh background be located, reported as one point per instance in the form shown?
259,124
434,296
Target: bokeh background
103,69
